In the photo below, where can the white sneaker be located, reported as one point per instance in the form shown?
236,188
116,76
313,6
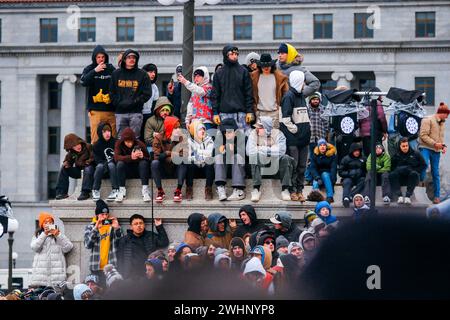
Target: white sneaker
401,200
145,194
286,195
387,200
95,195
113,195
256,195
222,193
121,194
237,195
407,200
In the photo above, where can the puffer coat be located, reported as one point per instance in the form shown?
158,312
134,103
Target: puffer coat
49,264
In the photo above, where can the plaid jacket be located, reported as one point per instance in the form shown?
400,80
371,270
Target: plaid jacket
319,126
92,242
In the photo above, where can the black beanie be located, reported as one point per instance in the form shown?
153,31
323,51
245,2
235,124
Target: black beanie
101,207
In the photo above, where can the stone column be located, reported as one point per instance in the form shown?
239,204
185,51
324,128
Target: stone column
68,112
342,78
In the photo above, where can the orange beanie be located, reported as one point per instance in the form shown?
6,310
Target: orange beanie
43,216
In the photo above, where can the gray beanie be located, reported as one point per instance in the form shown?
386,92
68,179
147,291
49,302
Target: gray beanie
281,242
250,56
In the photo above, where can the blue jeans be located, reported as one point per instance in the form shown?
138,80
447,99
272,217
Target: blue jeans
433,157
326,178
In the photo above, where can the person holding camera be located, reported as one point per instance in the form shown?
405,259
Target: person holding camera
101,237
104,158
174,92
49,245
132,160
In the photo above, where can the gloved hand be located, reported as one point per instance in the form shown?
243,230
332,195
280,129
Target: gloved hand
217,119
106,98
98,97
249,118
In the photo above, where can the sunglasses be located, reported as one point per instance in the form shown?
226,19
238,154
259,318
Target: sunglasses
269,242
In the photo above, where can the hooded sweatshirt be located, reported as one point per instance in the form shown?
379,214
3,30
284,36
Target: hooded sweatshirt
130,89
193,236
123,153
98,83
80,159
272,144
164,146
237,262
200,150
232,87
293,232
254,226
412,160
352,167
216,238
254,265
200,104
103,150
383,163
294,61
330,218
295,123
155,123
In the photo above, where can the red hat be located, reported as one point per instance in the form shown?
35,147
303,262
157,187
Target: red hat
443,108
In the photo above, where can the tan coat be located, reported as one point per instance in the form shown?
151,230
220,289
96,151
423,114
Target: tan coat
194,240
431,132
282,86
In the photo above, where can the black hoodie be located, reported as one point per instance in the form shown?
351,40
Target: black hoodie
232,88
351,167
96,81
255,224
412,160
194,222
103,150
130,89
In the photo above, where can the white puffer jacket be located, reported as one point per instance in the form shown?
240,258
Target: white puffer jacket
49,264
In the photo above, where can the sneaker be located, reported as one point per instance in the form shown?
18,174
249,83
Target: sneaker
401,200
330,200
286,195
367,200
84,196
256,195
294,196
121,194
112,195
237,195
222,193
346,202
208,193
407,200
146,194
61,196
189,193
436,200
177,196
160,196
387,200
95,195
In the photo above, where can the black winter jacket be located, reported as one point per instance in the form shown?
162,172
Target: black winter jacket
352,167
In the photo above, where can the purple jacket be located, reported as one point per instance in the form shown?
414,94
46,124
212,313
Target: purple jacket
364,124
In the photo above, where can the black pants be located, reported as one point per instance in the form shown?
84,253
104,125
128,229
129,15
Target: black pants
385,185
159,170
406,175
62,186
207,169
106,169
357,184
300,156
133,170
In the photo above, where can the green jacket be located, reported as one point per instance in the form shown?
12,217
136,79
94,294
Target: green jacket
383,163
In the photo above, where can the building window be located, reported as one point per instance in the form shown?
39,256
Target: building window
54,140
323,26
125,29
54,95
163,28
361,28
86,33
425,24
282,26
242,27
203,28
52,179
426,84
49,30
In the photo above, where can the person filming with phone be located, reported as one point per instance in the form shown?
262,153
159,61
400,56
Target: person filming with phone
50,245
102,237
